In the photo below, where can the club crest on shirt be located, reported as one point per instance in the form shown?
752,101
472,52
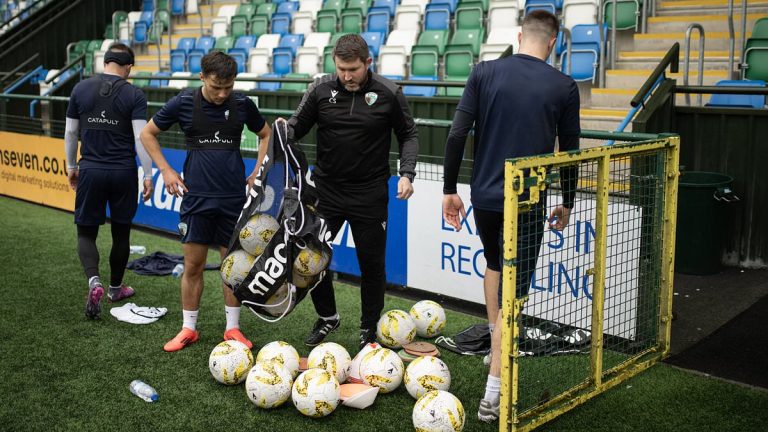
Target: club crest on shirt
370,98
226,115
332,99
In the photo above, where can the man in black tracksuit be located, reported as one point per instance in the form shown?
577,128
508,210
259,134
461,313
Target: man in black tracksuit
356,111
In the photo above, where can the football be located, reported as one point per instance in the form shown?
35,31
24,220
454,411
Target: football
283,353
332,357
257,233
304,282
316,393
440,411
310,262
425,374
382,368
235,267
353,371
268,384
395,328
278,304
429,318
230,362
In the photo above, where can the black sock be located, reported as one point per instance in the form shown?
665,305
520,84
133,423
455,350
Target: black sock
118,257
86,249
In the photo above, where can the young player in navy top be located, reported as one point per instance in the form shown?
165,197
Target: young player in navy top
212,119
107,114
518,105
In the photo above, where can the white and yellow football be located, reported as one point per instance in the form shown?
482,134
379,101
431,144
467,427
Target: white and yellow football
395,328
310,262
316,393
230,362
426,374
429,318
440,411
257,232
268,384
332,357
283,353
382,368
235,267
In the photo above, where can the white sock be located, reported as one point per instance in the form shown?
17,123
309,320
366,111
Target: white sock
331,318
190,319
233,316
492,389
491,326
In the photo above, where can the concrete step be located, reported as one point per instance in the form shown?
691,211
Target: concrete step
602,119
711,23
652,63
634,78
613,98
717,41
710,56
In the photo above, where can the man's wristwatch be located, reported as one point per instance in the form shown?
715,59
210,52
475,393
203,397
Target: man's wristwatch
409,176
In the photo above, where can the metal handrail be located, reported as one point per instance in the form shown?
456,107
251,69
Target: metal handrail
731,39
23,79
603,45
613,33
20,67
644,16
568,48
73,63
116,26
18,14
671,59
721,90
296,80
687,58
742,58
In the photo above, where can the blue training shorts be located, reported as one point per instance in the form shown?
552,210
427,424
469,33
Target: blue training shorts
210,220
97,188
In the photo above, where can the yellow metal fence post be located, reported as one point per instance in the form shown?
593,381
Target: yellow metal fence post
671,176
598,290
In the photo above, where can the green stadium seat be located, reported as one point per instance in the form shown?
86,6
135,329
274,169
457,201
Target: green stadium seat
483,3
141,82
434,38
760,30
266,9
329,66
458,65
627,12
363,5
352,21
238,26
756,55
77,49
298,87
259,25
469,16
256,3
327,21
333,5
109,32
473,38
162,5
92,47
224,43
247,10
424,61
165,17
335,37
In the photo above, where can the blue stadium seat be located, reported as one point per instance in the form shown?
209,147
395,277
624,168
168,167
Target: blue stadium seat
178,61
374,41
547,5
426,91
282,61
451,4
585,46
147,5
141,27
159,82
292,42
269,86
193,61
391,4
245,42
177,7
437,17
378,20
288,7
241,57
281,23
205,43
186,44
737,100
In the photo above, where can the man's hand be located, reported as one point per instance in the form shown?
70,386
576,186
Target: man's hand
73,176
453,210
252,178
404,188
149,186
173,183
559,218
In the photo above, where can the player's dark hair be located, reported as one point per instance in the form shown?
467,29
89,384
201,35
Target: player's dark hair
219,64
351,47
541,24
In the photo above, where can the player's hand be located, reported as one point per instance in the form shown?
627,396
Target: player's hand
404,188
149,186
173,183
73,176
453,210
559,218
252,178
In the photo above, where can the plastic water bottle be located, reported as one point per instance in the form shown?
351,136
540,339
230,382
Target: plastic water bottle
141,250
143,390
178,270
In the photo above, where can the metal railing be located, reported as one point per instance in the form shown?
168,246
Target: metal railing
33,58
687,58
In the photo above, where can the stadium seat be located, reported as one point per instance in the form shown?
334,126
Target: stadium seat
227,11
186,44
297,87
259,60
219,27
178,61
473,38
392,61
269,86
282,61
139,80
374,41
451,4
177,7
317,41
469,16
238,26
258,25
292,42
205,43
363,5
329,66
492,52
503,15
241,57
193,61
503,37
547,5
627,14
180,83
269,41
267,9
579,12
352,21
245,85
408,17
333,5
247,10
281,23
311,6
147,5
192,7
437,17
288,7
403,38
760,29
756,59
424,91
458,64
245,43
390,4
585,52
141,27
224,43
302,22
422,4
737,100
378,20
308,60
425,61
327,21
434,38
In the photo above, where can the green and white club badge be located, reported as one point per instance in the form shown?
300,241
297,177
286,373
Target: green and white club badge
370,98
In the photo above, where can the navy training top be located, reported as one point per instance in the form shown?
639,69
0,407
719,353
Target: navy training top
104,148
519,103
217,172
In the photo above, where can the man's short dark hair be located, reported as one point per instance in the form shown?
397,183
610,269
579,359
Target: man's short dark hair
351,47
219,64
541,24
